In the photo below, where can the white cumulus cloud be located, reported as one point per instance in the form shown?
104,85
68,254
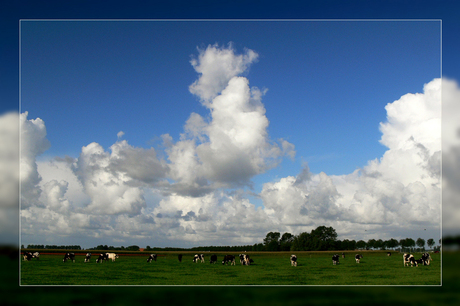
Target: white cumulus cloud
195,195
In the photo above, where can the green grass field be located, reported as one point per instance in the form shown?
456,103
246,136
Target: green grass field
314,268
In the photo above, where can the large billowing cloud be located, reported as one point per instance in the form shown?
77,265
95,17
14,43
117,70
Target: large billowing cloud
195,195
232,146
217,66
9,156
390,194
451,157
9,177
33,143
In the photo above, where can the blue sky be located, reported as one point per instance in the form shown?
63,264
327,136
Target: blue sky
332,81
198,161
328,81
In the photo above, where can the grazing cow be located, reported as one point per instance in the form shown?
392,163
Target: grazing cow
229,259
179,257
102,257
419,261
27,256
69,256
294,260
405,259
343,255
409,259
213,259
426,259
87,257
246,260
198,257
358,257
152,257
112,256
389,254
335,259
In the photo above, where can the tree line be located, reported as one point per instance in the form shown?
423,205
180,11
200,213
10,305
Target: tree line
53,247
321,238
325,239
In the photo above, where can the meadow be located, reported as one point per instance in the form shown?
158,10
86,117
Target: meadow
314,268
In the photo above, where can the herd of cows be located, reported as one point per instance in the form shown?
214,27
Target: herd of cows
408,259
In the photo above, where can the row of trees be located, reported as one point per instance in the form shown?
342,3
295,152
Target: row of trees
52,247
112,248
320,239
325,239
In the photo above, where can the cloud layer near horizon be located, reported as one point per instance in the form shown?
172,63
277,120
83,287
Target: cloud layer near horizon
197,194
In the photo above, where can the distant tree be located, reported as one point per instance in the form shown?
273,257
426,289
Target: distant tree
430,242
371,243
271,236
147,248
410,242
379,244
323,238
286,242
352,245
420,243
403,243
391,244
300,242
258,247
361,244
344,244
273,246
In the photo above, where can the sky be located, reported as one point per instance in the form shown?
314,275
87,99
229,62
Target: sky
187,133
128,137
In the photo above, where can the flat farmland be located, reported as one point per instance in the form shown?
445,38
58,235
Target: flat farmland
314,268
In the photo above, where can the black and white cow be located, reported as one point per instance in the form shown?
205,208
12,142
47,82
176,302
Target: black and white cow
179,257
358,257
199,257
246,260
419,261
87,257
406,259
409,259
388,253
69,256
293,260
335,259
426,257
102,257
27,256
152,257
213,259
228,259
112,256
